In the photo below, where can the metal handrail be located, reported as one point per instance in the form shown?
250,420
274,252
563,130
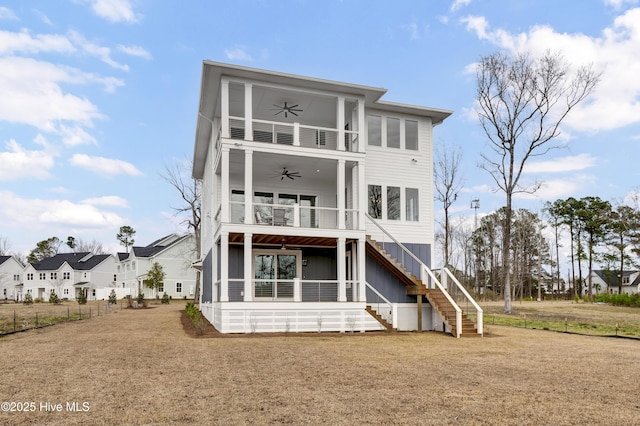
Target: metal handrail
387,301
464,291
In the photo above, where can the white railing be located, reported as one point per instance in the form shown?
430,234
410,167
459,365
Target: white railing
295,134
454,287
381,305
407,258
292,215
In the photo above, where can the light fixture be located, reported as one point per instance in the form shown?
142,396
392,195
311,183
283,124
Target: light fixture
414,160
284,247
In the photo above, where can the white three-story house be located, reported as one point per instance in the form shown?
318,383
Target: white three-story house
317,206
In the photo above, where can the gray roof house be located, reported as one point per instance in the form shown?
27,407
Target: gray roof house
10,277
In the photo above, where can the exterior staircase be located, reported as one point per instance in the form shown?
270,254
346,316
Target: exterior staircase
380,319
415,286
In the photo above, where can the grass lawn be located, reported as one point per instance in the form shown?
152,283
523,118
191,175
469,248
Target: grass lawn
140,367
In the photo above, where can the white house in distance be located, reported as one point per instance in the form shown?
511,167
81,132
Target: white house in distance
68,273
10,277
317,207
607,281
174,252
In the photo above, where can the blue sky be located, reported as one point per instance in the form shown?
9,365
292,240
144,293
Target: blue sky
97,96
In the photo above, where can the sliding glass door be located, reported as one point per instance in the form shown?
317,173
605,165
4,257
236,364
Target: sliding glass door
274,274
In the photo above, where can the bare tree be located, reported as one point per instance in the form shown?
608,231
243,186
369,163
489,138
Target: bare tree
5,246
93,246
521,103
448,183
178,175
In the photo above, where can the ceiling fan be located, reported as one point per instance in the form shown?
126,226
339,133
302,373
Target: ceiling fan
287,109
287,174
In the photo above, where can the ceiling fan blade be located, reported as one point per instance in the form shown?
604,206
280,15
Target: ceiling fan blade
280,112
292,113
289,176
292,107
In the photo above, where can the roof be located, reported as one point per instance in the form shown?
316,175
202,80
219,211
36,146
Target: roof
156,246
4,259
611,277
212,72
78,261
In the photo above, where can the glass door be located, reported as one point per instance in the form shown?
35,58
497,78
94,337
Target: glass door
275,275
308,214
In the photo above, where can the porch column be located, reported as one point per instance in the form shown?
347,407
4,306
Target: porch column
248,187
341,253
248,263
361,126
248,111
361,259
363,197
224,182
224,111
224,267
340,191
340,121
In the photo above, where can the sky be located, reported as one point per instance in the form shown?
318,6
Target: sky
97,97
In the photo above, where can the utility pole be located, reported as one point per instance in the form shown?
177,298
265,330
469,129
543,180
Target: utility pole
475,205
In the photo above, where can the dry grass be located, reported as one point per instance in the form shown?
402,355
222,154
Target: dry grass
140,367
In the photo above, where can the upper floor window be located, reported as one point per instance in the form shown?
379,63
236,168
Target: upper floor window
393,132
66,275
43,276
411,200
54,275
393,203
16,277
375,201
411,134
374,123
29,277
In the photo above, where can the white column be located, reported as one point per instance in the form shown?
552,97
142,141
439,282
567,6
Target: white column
363,197
224,267
340,191
248,267
340,121
224,111
224,182
296,135
361,126
248,186
342,272
248,111
362,267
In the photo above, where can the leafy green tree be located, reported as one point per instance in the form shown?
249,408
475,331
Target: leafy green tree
112,297
623,230
72,243
155,277
594,217
125,236
53,298
82,297
28,299
521,103
44,249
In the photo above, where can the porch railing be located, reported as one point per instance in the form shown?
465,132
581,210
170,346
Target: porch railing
295,134
293,290
293,215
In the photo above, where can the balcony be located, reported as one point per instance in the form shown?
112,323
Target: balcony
293,215
295,134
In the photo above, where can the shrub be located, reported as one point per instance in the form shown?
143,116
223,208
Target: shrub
140,298
37,300
53,298
112,297
82,297
165,299
28,299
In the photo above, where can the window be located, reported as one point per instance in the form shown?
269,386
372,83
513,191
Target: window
178,287
161,288
65,292
16,277
93,293
115,277
625,280
375,201
375,130
237,206
128,266
411,135
274,275
84,275
43,276
393,203
29,277
66,275
393,132
411,200
29,291
54,275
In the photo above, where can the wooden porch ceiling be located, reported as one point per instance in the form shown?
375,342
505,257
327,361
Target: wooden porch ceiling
288,240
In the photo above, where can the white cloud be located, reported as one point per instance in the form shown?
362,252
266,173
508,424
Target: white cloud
7,14
108,200
114,10
238,54
459,4
74,136
563,164
18,163
104,165
136,51
615,102
553,189
44,18
41,214
619,4
24,42
101,52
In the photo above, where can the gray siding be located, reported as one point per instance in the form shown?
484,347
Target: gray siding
207,278
321,264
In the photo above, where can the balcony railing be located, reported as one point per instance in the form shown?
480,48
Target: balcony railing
293,215
293,290
294,134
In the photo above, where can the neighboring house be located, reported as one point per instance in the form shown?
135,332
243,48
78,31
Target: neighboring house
10,278
607,281
69,273
174,252
300,177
